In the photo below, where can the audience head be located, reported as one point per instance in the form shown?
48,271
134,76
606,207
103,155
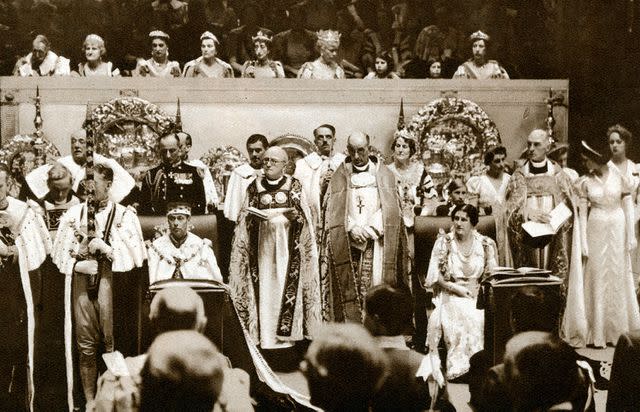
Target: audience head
261,43
209,45
159,45
328,44
93,47
169,148
388,311
41,47
384,63
103,180
178,218
274,162
530,311
184,370
256,145
177,308
27,161
344,367
429,43
324,136
358,148
540,371
479,44
538,143
619,139
185,142
59,178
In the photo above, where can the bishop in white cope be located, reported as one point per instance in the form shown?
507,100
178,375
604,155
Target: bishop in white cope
314,171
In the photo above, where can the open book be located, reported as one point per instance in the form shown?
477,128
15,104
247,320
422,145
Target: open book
257,212
558,216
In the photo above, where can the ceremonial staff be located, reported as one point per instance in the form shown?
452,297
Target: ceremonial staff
93,281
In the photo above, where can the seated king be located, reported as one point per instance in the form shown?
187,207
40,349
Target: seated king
180,254
364,241
273,274
173,180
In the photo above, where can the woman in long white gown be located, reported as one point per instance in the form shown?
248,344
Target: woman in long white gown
459,260
608,237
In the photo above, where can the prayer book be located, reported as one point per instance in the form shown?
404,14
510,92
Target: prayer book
558,216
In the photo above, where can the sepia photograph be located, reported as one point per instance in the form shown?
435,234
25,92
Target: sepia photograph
319,205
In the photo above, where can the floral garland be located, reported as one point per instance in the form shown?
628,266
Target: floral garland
458,129
221,161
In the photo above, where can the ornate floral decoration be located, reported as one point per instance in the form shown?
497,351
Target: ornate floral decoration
456,132
221,161
127,130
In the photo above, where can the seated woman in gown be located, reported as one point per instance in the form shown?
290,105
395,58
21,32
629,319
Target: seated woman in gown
159,64
326,66
94,50
208,65
459,260
262,66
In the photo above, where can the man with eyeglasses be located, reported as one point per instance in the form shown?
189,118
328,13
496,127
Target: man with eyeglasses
314,171
173,180
273,273
491,186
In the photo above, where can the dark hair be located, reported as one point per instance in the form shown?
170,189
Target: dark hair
624,133
326,125
386,56
254,138
470,210
104,171
529,311
492,152
589,153
430,62
186,136
543,374
410,142
556,153
392,307
172,134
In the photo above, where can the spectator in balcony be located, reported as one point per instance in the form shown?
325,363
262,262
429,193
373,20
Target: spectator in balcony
94,50
208,65
384,67
42,61
262,66
240,41
295,46
479,66
326,66
159,64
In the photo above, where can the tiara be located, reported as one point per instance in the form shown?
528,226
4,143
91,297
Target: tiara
159,33
262,36
479,35
328,36
404,133
209,35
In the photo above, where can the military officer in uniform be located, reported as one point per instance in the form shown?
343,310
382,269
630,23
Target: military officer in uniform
172,180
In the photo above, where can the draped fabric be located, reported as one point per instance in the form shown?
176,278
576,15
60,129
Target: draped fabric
342,300
273,274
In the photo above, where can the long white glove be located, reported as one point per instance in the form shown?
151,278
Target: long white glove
583,211
629,216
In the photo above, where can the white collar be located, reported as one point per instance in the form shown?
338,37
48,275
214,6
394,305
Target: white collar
539,164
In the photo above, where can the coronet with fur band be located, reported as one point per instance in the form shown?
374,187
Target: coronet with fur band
328,37
178,208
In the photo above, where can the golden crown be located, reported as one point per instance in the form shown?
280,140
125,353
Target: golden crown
328,36
479,35
262,36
